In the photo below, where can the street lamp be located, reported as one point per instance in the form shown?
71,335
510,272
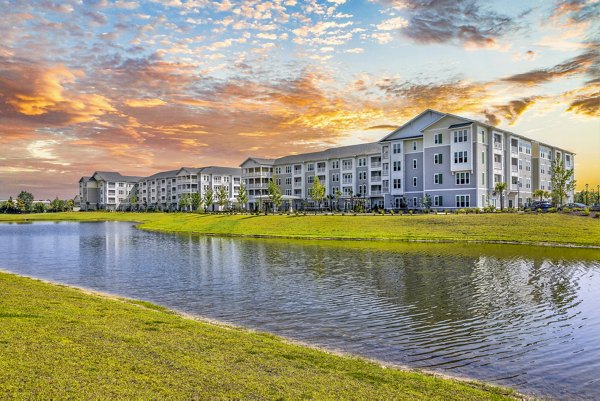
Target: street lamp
586,194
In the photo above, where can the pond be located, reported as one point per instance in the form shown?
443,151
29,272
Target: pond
524,317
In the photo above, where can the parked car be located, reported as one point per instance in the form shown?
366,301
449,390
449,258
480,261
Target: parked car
595,208
574,205
544,206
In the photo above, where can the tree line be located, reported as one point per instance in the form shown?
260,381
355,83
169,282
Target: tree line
24,203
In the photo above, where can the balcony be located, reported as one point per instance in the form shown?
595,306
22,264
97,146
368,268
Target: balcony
498,145
297,184
263,174
347,182
375,192
497,166
321,170
376,178
375,164
514,150
514,169
256,186
385,155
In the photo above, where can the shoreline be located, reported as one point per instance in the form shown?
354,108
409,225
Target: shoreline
221,225
243,330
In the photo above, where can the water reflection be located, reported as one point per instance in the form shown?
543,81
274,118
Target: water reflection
519,316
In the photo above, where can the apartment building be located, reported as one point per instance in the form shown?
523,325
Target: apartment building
107,190
355,171
160,191
458,162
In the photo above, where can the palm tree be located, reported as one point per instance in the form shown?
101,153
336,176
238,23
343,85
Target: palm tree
499,190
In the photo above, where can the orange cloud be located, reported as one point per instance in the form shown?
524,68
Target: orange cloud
144,102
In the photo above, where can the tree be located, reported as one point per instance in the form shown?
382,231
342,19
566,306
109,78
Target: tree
69,205
58,205
275,194
338,194
222,196
133,200
317,192
562,181
26,200
540,193
426,201
499,190
39,207
209,198
242,196
196,201
184,202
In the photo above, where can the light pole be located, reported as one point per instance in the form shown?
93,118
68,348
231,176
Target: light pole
598,193
586,194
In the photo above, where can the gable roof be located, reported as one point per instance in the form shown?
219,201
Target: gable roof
413,127
258,160
113,176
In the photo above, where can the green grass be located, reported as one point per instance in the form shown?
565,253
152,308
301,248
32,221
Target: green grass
548,228
62,343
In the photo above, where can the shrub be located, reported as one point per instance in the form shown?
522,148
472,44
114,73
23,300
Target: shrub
411,212
552,210
461,211
586,212
391,212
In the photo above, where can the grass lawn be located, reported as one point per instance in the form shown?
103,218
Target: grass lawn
547,228
58,342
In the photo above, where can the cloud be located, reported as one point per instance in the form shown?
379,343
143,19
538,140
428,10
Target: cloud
585,63
36,92
449,21
586,105
382,127
144,102
510,111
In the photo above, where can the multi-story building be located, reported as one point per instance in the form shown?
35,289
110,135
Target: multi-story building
107,190
454,162
355,172
160,191
457,162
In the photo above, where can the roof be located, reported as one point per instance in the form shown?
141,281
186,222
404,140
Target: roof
161,175
413,127
258,160
332,153
221,170
460,125
113,176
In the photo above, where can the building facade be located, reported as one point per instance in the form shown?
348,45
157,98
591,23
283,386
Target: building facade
160,191
350,174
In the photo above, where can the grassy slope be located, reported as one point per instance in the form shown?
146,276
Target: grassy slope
58,342
524,228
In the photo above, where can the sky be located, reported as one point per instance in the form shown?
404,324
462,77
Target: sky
144,86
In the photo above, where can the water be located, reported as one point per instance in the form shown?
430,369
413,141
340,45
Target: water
524,317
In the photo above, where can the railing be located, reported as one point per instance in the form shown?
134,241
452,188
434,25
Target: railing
514,149
297,184
375,164
514,169
321,170
297,172
376,192
254,186
386,155
498,166
263,174
376,179
346,182
498,145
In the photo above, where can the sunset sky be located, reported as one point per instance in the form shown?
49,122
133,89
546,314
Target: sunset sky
143,86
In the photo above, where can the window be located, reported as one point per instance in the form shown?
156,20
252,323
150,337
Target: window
460,157
438,200
288,192
520,164
347,164
414,181
414,145
397,183
335,178
396,148
437,138
310,179
397,166
362,175
482,157
414,163
277,170
438,178
463,201
463,178
310,167
288,181
437,158
482,136
460,136
362,161
483,178
121,184
288,169
415,202
335,164
347,178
